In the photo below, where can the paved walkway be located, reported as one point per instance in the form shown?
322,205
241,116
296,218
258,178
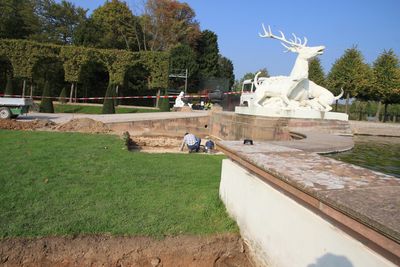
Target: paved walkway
112,118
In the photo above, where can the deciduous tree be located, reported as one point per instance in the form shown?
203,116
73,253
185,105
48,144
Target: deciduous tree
166,23
17,19
58,21
117,26
316,73
386,86
350,73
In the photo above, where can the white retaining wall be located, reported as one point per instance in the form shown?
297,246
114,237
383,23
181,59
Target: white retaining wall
284,233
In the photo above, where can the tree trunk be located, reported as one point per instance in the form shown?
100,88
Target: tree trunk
116,100
31,89
346,110
158,98
378,111
71,93
23,88
76,91
385,113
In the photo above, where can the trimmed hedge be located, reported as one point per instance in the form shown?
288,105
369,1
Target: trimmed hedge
24,54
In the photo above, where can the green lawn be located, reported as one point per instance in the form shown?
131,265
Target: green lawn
71,183
64,108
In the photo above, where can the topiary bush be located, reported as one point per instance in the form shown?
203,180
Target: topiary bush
9,86
163,104
46,106
63,96
108,104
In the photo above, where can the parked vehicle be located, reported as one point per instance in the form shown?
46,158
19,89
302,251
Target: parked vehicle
13,107
248,92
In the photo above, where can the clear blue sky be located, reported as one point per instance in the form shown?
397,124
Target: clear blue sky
372,25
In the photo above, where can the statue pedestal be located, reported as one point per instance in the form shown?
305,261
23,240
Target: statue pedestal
297,113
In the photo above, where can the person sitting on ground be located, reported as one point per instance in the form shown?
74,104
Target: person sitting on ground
192,142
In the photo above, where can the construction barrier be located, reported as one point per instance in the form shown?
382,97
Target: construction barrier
120,97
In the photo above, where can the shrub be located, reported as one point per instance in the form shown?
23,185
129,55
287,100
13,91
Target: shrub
46,106
164,103
9,86
108,104
63,96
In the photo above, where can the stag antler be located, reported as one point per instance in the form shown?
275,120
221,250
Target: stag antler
293,43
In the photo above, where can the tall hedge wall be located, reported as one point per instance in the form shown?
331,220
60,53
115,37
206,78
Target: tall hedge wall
24,54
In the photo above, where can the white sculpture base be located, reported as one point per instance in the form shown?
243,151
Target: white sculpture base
297,113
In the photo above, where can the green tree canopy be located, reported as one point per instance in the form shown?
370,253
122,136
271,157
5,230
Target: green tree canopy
351,74
226,69
17,19
208,54
386,80
167,23
116,25
183,57
58,21
316,73
386,77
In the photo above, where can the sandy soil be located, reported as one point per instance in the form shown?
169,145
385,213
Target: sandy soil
27,125
218,250
83,125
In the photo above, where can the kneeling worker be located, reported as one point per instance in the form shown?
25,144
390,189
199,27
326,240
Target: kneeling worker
192,142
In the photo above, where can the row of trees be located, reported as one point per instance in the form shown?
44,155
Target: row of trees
154,25
379,82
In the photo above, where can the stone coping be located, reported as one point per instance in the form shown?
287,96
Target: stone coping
368,197
295,113
321,143
375,128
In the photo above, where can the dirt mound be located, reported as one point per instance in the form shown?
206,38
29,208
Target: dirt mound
218,250
26,125
84,125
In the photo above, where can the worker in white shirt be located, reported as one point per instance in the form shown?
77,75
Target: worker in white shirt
192,142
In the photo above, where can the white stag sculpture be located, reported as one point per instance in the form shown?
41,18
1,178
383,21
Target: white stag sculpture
295,91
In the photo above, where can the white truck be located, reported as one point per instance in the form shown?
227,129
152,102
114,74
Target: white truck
248,92
11,107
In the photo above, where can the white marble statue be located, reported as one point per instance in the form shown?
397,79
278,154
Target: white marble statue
178,101
295,91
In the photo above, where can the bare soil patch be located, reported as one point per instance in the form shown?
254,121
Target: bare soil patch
217,250
155,144
26,125
84,125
